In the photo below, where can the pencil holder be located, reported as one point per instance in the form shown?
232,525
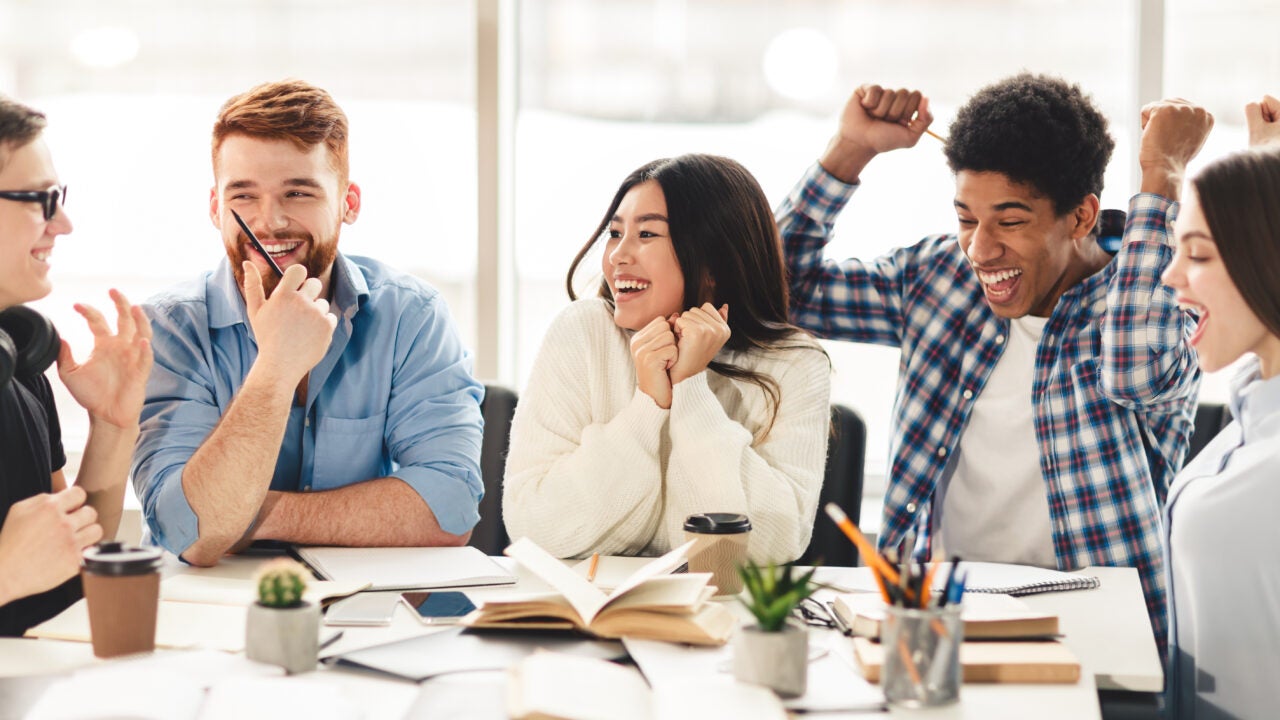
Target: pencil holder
921,656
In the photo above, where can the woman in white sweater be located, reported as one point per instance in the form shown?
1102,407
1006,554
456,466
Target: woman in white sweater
1220,517
680,389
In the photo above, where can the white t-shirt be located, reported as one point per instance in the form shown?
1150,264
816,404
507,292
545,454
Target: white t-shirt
994,507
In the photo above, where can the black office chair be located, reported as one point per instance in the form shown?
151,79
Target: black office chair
841,484
498,407
1211,418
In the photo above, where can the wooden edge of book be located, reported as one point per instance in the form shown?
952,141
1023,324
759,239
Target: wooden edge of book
991,662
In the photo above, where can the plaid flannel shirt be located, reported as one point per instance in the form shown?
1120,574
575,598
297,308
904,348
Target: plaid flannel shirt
1114,388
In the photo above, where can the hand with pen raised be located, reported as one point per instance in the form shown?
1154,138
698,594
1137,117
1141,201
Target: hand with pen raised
293,327
875,120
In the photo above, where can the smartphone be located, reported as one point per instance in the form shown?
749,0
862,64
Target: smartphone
365,608
438,608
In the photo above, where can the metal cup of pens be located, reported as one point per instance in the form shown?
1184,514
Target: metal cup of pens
921,655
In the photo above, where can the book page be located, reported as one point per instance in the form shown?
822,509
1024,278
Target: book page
582,595
548,684
664,565
612,570
669,591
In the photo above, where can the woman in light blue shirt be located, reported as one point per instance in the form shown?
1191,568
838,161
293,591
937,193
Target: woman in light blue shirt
1221,533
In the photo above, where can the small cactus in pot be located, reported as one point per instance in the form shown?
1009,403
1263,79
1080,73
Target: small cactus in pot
282,628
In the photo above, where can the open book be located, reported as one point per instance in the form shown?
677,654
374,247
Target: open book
652,603
987,617
990,662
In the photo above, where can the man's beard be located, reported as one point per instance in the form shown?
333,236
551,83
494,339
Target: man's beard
317,260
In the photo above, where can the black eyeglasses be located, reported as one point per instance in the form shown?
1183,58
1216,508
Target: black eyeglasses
814,613
50,200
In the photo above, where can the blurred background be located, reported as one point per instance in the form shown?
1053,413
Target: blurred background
489,136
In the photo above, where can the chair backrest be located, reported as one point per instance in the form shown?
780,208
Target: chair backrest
498,407
1211,418
841,484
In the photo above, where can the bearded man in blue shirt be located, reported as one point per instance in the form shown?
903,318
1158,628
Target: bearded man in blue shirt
1047,387
330,405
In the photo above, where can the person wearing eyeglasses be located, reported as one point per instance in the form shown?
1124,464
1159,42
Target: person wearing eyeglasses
44,524
302,395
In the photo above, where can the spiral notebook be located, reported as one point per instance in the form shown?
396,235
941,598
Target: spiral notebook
1015,580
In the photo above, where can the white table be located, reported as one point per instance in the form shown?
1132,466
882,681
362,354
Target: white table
1107,628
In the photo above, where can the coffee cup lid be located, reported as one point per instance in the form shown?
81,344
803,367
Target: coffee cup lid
717,523
113,558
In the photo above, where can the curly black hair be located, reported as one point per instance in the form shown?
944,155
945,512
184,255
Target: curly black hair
1034,129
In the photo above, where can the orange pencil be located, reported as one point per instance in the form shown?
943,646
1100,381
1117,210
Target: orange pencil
881,569
927,588
591,569
935,136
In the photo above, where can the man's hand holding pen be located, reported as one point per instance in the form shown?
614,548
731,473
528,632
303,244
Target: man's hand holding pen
293,327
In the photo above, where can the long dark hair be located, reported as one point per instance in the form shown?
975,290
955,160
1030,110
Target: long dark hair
722,229
1240,197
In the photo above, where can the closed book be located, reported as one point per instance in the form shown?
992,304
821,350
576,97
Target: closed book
985,617
991,662
651,603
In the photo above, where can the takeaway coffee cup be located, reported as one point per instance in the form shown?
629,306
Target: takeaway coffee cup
721,547
122,587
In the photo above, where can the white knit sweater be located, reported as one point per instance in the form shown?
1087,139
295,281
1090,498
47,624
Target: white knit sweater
596,466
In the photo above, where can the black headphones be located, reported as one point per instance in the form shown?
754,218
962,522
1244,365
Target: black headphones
28,343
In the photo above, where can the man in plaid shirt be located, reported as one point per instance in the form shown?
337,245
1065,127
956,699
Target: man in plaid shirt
1047,387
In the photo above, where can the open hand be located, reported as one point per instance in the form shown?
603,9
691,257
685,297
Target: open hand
700,332
294,327
111,384
653,348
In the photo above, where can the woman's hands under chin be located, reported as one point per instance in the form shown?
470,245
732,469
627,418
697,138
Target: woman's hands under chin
700,334
653,348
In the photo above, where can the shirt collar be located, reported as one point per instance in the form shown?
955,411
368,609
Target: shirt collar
1253,399
349,290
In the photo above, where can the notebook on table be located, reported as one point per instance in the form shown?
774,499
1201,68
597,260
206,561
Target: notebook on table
406,568
1016,580
985,617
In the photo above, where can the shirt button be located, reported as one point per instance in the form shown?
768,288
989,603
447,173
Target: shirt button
911,507
999,339
968,394
942,452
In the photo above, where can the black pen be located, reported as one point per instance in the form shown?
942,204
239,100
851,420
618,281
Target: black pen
330,640
254,239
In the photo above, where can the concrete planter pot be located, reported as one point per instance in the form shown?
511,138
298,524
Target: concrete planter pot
776,660
288,637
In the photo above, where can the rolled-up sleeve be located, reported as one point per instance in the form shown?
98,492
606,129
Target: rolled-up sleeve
179,413
434,426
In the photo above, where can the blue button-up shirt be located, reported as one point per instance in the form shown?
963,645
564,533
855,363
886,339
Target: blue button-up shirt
1114,388
392,397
